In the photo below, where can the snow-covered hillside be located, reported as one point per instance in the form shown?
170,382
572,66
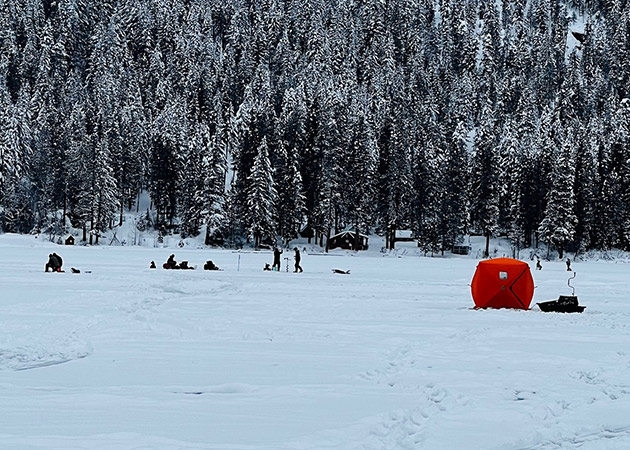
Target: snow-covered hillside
389,357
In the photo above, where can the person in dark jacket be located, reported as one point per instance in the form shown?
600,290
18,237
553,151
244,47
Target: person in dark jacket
568,265
152,265
184,266
54,263
171,263
276,259
59,260
298,268
209,265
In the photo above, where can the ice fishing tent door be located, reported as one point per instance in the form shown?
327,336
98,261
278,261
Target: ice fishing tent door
502,283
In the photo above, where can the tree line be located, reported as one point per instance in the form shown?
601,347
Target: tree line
253,118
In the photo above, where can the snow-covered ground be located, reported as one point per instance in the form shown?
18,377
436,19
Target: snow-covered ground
389,357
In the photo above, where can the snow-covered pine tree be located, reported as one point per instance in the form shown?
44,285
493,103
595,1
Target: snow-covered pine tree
328,207
291,131
429,163
166,157
211,197
557,228
394,182
585,185
105,191
191,182
79,163
605,187
290,201
9,144
261,198
253,123
454,186
541,162
491,50
511,180
620,155
484,207
16,190
358,188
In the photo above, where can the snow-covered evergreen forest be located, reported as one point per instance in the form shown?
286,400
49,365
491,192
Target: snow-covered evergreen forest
252,118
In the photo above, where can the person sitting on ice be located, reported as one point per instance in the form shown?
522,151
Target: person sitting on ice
171,263
54,262
152,266
209,265
184,266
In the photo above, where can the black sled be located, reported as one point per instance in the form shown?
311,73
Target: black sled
564,304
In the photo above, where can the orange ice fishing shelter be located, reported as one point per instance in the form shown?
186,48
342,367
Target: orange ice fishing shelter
502,283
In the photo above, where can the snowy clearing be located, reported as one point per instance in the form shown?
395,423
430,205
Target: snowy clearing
389,357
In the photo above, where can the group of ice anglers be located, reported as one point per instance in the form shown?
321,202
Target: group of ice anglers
171,264
277,264
55,263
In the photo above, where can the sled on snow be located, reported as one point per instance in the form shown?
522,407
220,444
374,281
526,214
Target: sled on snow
341,272
564,304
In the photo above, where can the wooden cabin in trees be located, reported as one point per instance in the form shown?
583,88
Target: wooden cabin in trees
348,240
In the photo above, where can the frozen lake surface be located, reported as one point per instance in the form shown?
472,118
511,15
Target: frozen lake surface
389,357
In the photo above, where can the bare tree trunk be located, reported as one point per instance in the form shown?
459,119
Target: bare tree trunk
327,239
122,211
65,210
98,220
91,228
486,253
392,238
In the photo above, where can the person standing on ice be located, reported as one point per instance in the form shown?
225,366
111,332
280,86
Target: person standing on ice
568,265
298,268
276,259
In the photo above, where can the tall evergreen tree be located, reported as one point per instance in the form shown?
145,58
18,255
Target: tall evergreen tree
558,225
261,197
484,208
